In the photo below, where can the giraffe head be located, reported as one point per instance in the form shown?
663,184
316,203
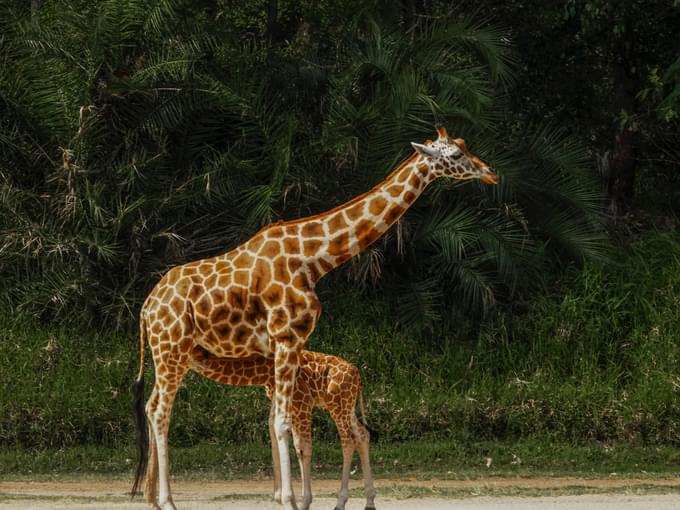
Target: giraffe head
448,157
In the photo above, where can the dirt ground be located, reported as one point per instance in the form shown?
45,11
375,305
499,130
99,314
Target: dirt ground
392,494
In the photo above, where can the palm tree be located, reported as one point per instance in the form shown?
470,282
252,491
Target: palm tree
130,142
466,242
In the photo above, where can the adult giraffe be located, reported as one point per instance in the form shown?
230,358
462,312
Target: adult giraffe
259,299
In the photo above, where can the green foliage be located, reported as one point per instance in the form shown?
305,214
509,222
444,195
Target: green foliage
131,142
595,361
474,245
419,459
600,69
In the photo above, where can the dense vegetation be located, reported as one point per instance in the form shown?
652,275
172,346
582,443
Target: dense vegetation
138,143
136,135
595,360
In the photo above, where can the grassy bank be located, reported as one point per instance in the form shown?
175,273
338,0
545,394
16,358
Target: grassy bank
420,459
594,362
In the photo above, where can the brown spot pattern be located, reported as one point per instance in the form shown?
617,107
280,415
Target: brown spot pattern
243,260
356,211
415,181
377,206
325,265
270,249
366,233
313,229
393,214
337,222
281,272
291,245
409,197
395,190
339,244
311,247
294,264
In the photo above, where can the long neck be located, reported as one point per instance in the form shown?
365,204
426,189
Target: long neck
345,231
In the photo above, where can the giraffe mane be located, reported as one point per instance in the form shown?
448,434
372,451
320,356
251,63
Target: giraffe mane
354,200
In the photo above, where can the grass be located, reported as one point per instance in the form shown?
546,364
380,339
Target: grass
520,492
590,369
422,460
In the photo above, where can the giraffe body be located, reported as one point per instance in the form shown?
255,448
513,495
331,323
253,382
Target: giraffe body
322,381
259,299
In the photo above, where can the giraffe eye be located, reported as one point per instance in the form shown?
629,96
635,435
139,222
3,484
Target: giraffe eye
457,154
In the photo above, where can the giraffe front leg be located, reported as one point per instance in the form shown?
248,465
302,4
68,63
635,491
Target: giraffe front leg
302,436
285,371
276,460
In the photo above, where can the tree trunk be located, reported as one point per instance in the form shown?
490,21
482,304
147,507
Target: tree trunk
622,169
620,183
272,21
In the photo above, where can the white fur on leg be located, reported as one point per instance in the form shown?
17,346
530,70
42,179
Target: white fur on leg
164,498
282,436
285,370
276,460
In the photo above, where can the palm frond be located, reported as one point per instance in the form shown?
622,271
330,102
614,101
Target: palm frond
418,304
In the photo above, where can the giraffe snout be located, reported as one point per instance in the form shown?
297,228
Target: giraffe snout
488,175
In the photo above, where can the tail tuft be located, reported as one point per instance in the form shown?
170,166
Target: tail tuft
374,434
142,432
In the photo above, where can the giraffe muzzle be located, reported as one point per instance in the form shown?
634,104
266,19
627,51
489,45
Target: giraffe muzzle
489,177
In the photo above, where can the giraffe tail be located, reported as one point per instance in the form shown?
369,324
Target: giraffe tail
139,413
374,435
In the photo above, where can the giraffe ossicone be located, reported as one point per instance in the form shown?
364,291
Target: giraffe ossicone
258,299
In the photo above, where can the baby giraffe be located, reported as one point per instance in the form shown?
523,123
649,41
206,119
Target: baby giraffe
322,380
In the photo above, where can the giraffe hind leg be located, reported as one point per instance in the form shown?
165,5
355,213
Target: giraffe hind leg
353,436
343,423
362,443
166,389
343,494
363,435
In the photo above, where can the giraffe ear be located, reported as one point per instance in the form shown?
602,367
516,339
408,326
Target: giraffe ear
424,150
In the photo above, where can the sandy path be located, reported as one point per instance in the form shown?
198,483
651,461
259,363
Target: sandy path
252,495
